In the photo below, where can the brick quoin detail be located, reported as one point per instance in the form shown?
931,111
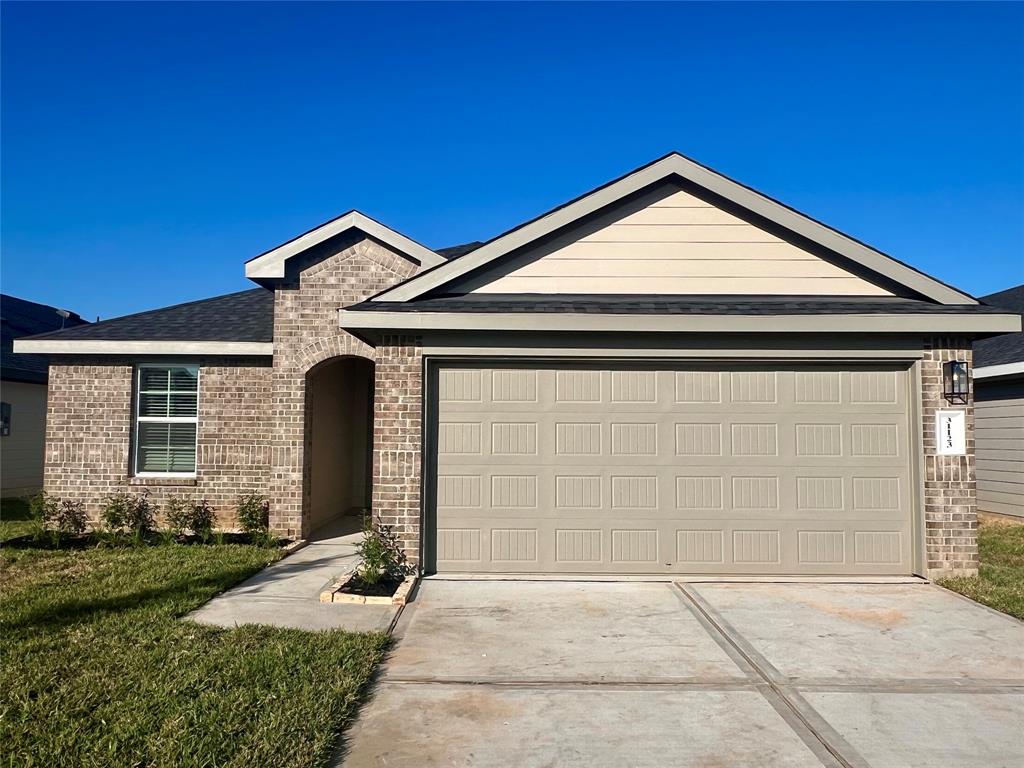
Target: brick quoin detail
950,490
398,439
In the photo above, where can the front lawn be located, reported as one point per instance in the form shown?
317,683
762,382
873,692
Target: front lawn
15,519
97,669
1000,580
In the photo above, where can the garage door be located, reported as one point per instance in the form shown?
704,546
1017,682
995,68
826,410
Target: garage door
648,470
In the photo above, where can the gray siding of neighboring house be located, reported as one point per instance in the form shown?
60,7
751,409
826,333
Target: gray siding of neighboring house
21,452
999,411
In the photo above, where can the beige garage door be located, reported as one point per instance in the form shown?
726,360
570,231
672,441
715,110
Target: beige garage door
646,470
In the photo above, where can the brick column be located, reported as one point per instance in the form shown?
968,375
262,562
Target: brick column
398,439
950,505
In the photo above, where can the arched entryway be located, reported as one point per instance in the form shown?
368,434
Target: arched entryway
339,444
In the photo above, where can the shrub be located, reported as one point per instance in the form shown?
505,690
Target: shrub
178,513
114,512
202,521
70,517
188,516
52,517
42,508
135,515
381,557
254,517
141,518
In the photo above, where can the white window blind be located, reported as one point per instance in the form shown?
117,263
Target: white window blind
166,419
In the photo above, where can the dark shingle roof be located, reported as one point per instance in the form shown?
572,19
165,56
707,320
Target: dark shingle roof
20,318
455,251
1008,348
669,305
243,316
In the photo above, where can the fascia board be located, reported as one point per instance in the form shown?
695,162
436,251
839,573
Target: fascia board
272,263
115,347
1006,369
521,321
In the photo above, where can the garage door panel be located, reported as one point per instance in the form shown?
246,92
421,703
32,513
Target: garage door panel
673,470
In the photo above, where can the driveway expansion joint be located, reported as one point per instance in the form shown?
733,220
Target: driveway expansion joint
805,721
712,685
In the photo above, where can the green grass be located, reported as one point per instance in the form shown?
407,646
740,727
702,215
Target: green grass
14,519
97,669
1000,580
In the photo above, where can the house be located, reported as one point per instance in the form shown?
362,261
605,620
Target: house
999,409
670,374
23,393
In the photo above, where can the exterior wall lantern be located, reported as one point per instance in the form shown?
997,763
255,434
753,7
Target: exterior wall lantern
955,381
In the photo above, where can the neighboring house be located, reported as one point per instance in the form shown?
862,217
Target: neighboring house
670,374
23,393
999,410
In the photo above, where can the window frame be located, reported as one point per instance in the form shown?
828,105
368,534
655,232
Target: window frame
137,418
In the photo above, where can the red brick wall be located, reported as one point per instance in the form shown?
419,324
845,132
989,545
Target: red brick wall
950,503
89,432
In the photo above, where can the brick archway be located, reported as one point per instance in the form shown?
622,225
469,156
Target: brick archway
341,345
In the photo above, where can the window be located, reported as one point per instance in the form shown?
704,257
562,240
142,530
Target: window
167,419
5,419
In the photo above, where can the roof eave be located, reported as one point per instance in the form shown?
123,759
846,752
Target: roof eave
134,347
875,323
999,371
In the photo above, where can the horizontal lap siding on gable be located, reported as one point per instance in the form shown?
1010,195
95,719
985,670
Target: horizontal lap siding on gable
678,245
89,435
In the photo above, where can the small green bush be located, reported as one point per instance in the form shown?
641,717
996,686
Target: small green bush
381,557
254,517
70,517
53,517
42,508
178,513
203,520
188,516
141,519
114,512
134,515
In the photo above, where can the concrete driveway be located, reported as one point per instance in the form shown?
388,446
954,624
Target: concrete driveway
547,673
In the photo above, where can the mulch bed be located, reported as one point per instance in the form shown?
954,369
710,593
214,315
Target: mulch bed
356,586
87,540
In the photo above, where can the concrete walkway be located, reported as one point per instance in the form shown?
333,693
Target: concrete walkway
524,673
287,593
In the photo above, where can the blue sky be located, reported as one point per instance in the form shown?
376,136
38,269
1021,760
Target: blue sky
148,150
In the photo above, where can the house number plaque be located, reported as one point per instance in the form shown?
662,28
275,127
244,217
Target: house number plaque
951,432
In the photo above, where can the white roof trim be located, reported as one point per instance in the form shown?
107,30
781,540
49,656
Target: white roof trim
610,323
1006,369
271,263
677,165
112,347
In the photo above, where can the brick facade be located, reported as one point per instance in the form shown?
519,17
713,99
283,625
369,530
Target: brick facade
338,272
89,431
397,438
252,417
950,504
